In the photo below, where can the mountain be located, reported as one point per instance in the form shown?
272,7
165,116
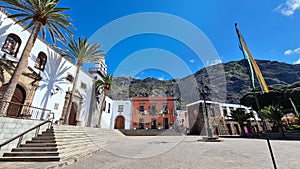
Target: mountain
227,82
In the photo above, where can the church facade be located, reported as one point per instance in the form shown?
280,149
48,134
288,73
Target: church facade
46,84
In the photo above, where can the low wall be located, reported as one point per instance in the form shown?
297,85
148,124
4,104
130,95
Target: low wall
10,127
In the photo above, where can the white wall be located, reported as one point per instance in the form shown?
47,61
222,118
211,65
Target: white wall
126,113
7,26
107,113
53,86
86,95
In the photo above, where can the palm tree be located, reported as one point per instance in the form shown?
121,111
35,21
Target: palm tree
239,115
80,51
275,114
38,15
103,86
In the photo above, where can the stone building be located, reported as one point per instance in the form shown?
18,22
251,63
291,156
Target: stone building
221,124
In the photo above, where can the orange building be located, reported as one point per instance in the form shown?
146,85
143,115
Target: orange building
153,112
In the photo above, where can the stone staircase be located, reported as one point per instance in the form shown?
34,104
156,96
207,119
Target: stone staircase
62,142
75,140
42,148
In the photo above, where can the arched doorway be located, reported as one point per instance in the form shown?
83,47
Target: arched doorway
73,113
120,122
14,110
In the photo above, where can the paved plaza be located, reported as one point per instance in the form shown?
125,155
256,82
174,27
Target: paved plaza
176,152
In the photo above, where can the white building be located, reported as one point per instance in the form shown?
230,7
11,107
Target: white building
48,80
121,114
107,113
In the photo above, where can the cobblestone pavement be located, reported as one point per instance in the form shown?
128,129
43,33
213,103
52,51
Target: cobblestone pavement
186,152
180,152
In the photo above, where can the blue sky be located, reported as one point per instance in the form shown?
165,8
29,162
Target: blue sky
271,30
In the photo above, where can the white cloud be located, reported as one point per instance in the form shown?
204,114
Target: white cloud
192,60
161,78
290,51
289,7
297,62
213,62
297,50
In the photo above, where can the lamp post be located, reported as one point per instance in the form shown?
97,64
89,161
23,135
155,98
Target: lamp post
204,91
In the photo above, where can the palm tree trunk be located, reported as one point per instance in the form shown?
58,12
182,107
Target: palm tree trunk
102,107
21,67
66,121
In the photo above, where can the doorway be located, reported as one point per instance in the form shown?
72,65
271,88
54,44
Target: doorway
153,123
166,123
229,129
236,129
14,110
141,123
119,122
73,113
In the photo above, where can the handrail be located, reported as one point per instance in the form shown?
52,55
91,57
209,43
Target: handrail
19,104
20,136
27,110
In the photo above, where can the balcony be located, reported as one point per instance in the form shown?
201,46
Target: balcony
101,71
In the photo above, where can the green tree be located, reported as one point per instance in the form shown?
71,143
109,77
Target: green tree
239,115
38,15
275,114
81,51
103,87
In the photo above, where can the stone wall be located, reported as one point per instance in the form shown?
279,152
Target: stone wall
10,127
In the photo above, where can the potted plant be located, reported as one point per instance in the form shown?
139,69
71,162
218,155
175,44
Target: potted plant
159,126
134,125
171,124
147,125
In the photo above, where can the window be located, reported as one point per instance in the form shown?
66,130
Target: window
120,108
41,61
70,78
141,108
12,44
153,109
224,111
83,85
56,105
165,109
104,106
108,111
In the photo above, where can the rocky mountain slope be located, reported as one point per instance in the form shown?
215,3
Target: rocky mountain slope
228,82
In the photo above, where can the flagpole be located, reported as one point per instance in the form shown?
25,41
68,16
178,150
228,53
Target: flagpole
257,104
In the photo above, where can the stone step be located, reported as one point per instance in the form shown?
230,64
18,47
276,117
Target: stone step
39,145
46,134
41,141
34,149
13,154
30,159
44,138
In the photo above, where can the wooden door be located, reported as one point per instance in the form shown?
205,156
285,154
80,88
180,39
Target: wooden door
14,109
120,122
73,113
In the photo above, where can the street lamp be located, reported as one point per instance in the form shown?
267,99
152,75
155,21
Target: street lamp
204,91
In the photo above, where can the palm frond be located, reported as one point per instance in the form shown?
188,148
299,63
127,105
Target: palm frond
43,11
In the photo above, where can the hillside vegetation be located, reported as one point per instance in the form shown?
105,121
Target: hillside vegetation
228,82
